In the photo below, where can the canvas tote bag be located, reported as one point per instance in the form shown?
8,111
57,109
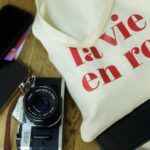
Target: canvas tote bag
102,49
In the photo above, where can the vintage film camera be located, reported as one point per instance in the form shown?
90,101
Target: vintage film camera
40,113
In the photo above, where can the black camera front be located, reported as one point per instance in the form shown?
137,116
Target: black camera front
40,113
42,106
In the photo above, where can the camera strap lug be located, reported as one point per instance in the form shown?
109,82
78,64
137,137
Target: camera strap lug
27,84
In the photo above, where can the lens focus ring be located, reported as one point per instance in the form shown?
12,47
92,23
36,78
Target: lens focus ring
42,106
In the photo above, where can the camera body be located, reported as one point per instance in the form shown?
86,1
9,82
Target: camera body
40,113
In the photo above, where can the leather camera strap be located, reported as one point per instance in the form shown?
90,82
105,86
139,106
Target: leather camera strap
8,122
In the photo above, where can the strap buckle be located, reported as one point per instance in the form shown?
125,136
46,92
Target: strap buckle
27,84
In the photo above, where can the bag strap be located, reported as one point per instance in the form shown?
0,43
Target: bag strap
42,27
8,122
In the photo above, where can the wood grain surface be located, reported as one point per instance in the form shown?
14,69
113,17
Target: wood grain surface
35,57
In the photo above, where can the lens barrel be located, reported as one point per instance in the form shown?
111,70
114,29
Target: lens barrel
42,106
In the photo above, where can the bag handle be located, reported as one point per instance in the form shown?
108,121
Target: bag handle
41,26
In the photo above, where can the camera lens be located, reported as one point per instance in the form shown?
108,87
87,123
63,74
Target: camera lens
42,106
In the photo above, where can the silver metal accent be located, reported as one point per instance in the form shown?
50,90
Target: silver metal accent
27,84
25,137
62,115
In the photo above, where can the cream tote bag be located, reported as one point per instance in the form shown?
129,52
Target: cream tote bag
102,49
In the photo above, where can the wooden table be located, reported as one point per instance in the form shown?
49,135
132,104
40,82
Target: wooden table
35,57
